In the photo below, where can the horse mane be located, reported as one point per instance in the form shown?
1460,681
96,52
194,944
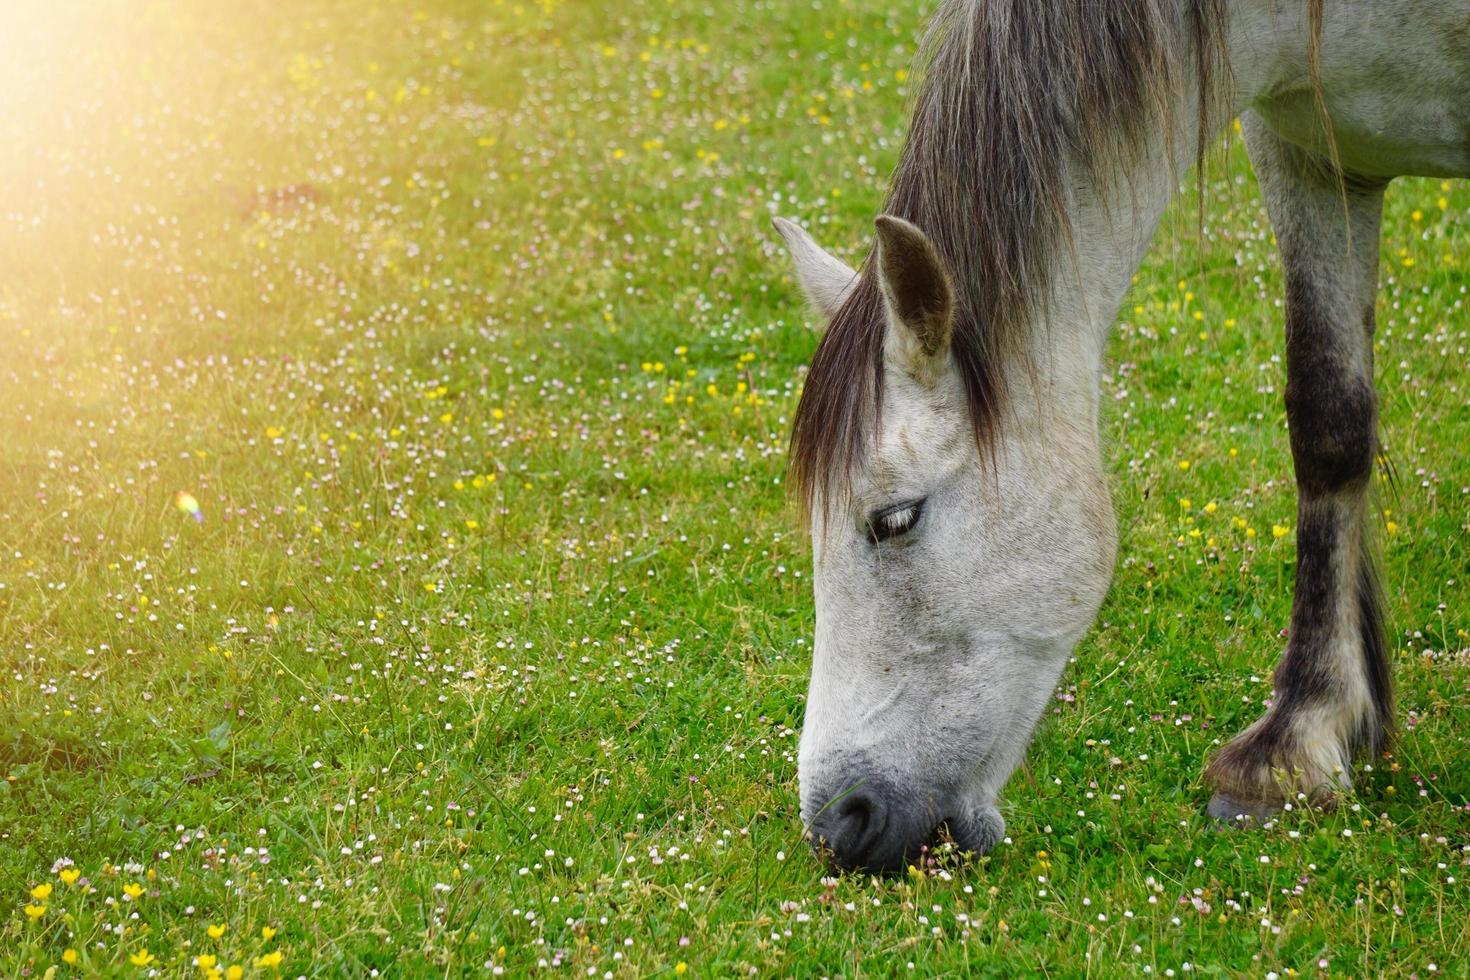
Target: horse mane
1013,93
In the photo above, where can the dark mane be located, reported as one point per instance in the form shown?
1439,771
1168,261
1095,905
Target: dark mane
1014,93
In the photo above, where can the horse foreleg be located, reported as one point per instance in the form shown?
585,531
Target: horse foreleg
1333,692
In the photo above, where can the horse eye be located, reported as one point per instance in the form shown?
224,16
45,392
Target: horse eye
891,522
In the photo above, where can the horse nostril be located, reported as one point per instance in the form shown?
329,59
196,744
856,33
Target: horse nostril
856,811
850,826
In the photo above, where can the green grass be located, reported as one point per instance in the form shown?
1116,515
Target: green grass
491,646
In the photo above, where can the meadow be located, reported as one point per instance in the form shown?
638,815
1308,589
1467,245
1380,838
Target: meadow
397,576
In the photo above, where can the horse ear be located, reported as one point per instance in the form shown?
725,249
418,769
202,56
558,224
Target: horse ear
825,279
916,290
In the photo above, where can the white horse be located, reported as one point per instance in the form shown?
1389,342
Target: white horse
946,443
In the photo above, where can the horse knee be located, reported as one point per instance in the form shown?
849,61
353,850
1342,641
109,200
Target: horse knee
1333,420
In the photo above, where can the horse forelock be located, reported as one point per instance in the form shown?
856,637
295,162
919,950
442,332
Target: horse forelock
1014,95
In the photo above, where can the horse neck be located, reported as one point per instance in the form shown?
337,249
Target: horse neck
1111,227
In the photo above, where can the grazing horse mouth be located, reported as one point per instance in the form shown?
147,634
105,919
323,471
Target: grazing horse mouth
875,828
952,838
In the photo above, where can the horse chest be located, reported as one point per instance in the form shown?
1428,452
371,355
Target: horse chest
1395,81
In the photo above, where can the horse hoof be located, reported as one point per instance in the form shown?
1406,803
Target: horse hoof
1233,813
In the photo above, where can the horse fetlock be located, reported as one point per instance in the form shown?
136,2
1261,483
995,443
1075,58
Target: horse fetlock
1279,760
